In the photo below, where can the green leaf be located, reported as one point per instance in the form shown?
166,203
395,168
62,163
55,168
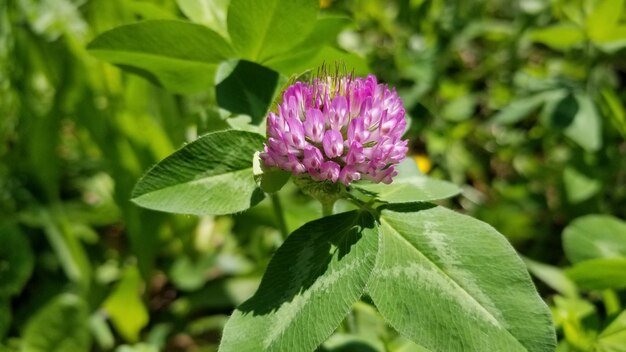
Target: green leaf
271,180
211,13
303,60
460,109
125,307
16,260
181,56
60,326
614,41
599,274
559,36
586,128
553,277
325,32
522,107
308,288
452,283
578,186
577,117
601,22
613,337
248,89
593,237
211,175
410,189
260,30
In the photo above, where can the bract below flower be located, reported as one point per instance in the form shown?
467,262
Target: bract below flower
337,128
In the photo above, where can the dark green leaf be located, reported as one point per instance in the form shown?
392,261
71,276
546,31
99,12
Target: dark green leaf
248,89
181,56
308,288
452,283
16,260
211,175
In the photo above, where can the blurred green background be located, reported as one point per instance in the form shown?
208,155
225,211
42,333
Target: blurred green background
520,102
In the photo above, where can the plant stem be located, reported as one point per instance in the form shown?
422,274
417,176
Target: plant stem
327,207
280,216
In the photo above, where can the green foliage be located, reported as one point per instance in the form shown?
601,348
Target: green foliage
443,274
60,326
522,107
181,56
310,284
211,175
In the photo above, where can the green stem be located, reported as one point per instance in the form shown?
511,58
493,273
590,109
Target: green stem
280,215
327,207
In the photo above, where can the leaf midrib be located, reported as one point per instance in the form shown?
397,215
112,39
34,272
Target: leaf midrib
440,269
194,181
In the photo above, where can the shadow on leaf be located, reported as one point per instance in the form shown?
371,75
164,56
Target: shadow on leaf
304,260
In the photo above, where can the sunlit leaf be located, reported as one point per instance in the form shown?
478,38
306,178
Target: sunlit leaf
181,56
211,13
125,307
443,279
211,175
559,36
603,19
260,30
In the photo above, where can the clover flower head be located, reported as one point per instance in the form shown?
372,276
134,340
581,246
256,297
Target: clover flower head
337,128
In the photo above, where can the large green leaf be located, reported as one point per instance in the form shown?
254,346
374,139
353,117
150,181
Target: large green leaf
211,175
261,29
16,260
410,189
599,274
308,288
452,283
181,56
60,326
594,236
248,89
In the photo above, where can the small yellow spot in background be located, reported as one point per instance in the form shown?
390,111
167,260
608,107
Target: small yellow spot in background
325,3
423,163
